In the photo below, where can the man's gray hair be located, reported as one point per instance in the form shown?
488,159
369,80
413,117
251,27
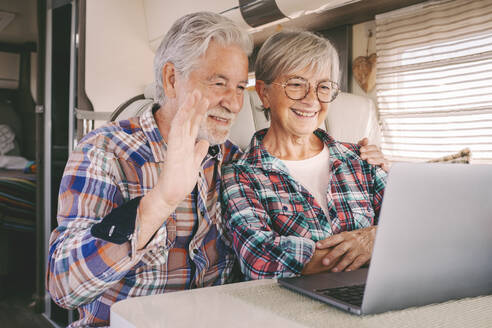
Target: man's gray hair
290,51
189,38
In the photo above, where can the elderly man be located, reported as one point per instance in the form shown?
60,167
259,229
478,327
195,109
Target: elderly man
138,211
137,205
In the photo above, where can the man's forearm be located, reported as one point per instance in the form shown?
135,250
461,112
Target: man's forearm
76,253
152,213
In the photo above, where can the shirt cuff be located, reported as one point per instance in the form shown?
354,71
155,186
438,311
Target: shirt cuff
308,247
118,226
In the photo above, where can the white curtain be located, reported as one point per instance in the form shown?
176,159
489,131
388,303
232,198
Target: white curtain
434,80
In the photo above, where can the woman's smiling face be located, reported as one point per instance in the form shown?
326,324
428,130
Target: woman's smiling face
296,117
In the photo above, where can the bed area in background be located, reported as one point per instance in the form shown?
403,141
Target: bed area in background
17,212
17,173
17,168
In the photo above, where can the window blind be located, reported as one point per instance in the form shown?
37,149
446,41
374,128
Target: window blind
434,80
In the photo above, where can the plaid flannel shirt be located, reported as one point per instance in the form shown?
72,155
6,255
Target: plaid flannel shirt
109,167
275,221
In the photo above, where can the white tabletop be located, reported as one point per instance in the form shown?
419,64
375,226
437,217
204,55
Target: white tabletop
264,303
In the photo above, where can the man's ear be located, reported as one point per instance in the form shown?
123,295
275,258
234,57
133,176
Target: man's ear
260,87
169,80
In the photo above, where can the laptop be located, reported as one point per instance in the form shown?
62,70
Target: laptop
434,243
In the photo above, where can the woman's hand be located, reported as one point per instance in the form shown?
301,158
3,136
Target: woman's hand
373,155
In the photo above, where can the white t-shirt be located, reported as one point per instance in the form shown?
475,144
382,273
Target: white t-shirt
314,175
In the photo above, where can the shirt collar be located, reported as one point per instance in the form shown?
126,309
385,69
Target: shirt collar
153,135
216,152
338,151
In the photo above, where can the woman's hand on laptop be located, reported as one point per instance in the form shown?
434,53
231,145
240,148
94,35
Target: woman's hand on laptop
348,250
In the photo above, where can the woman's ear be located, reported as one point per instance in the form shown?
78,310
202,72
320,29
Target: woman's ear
169,80
261,87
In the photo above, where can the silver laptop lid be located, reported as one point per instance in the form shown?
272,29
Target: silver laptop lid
434,240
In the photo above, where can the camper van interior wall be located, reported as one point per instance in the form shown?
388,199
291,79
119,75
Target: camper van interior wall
364,69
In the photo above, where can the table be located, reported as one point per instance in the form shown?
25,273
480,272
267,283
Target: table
264,303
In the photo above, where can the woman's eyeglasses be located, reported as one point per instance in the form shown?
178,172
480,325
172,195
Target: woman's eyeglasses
297,88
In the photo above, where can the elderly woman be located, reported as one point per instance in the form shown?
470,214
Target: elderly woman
298,201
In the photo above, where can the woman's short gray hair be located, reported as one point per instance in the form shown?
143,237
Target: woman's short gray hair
290,51
189,38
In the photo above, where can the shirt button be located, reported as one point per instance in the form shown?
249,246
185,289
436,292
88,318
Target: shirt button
284,208
195,251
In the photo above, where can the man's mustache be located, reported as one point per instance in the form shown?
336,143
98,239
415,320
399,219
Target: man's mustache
221,112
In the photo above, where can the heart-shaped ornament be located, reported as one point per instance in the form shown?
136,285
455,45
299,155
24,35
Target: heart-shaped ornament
364,69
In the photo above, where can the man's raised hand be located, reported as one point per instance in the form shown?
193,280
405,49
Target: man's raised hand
179,173
184,155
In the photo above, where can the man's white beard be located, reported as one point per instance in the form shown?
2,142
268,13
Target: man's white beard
215,134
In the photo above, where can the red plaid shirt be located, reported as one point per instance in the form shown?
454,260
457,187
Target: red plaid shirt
275,221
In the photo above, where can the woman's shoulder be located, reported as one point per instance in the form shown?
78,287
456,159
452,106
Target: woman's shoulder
355,148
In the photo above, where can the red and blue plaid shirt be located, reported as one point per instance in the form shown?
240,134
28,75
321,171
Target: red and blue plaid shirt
111,166
275,221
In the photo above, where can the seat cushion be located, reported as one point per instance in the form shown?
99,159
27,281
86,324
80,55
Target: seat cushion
351,118
463,156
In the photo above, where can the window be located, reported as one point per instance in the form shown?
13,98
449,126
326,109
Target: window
434,80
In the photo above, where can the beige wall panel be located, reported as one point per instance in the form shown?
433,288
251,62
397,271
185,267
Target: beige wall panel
118,56
161,14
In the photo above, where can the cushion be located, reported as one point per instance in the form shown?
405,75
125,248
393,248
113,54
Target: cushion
7,137
249,120
463,156
10,118
351,117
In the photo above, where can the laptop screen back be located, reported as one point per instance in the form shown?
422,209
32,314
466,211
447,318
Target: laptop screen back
434,240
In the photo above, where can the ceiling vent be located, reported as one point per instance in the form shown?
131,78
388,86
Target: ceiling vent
256,15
